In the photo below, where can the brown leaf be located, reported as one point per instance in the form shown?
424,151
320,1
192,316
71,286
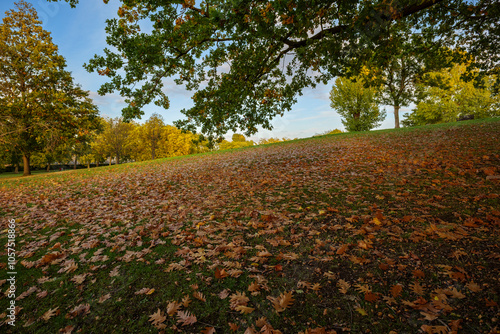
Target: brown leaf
343,286
371,297
50,313
244,309
396,290
42,294
172,308
208,330
198,295
238,298
67,330
157,319
51,257
102,299
186,301
473,287
234,327
185,318
82,309
282,302
342,249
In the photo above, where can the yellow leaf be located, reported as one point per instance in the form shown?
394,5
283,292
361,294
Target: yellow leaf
361,311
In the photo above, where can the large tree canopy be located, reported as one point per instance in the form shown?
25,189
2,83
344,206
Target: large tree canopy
40,105
247,61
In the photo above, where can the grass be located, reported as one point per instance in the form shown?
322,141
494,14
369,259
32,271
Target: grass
390,230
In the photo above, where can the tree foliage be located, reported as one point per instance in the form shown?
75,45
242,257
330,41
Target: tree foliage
247,61
40,105
446,97
238,140
356,104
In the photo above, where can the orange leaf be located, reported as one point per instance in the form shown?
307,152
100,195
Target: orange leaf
208,330
220,274
418,273
342,249
396,290
234,327
371,297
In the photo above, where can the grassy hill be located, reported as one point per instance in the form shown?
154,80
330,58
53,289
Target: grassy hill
393,230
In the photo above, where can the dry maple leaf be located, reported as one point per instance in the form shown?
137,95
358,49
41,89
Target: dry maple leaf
250,330
234,327
42,294
238,298
198,295
342,249
220,274
185,318
51,257
261,322
244,309
223,294
157,319
81,309
67,330
417,288
363,288
473,287
417,273
343,286
102,299
396,290
455,293
27,293
186,301
50,313
172,308
371,297
79,279
282,302
254,287
115,272
208,330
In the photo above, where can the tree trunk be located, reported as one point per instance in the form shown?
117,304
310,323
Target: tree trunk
16,169
396,116
117,159
97,163
48,167
110,160
74,164
26,164
153,152
88,164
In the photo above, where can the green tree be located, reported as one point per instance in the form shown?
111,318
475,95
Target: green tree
274,50
116,139
446,97
356,104
39,103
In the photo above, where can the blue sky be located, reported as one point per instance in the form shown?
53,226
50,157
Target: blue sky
79,34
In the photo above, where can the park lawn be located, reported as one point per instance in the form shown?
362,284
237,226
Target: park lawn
394,230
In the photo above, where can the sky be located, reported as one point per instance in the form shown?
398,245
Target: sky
80,33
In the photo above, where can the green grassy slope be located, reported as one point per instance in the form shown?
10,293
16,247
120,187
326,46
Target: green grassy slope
392,230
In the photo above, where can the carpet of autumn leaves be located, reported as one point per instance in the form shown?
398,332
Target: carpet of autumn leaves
391,231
